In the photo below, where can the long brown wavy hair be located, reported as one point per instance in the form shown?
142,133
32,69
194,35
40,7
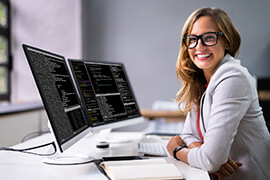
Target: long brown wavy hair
188,74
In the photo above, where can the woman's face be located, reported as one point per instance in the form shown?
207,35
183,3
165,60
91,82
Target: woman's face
207,57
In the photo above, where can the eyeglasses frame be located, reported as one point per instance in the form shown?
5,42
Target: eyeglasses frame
200,37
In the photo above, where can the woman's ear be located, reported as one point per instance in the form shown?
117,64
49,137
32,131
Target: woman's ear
227,47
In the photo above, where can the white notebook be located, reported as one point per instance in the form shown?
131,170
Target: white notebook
147,169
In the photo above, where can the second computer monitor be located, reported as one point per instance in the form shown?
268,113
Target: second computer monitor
106,92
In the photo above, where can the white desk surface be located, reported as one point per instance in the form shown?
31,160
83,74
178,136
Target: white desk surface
14,165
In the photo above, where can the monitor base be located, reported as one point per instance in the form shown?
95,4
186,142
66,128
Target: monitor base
60,159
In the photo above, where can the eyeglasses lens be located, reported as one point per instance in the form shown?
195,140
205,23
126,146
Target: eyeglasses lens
191,41
209,39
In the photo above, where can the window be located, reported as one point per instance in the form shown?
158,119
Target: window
5,54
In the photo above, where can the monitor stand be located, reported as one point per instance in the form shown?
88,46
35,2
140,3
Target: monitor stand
76,159
65,159
105,136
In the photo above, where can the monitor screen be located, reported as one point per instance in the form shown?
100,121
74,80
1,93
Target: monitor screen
65,112
106,93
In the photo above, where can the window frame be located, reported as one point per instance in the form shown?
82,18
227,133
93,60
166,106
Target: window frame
6,33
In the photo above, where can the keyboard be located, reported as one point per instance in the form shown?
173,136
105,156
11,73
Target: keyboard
151,149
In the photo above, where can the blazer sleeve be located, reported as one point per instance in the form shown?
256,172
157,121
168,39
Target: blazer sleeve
189,134
230,90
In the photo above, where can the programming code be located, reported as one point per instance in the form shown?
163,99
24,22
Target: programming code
125,90
87,92
58,93
105,90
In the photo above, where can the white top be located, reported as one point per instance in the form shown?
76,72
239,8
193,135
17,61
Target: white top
232,124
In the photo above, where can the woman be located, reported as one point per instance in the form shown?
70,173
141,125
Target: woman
225,132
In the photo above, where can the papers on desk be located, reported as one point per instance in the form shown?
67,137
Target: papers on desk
141,169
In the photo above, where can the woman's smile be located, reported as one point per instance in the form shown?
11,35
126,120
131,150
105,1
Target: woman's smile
203,56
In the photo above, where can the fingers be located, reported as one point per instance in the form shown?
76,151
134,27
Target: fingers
228,168
238,164
219,174
231,163
223,172
234,164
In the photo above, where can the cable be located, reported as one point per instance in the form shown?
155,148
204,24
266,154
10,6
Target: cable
31,148
33,134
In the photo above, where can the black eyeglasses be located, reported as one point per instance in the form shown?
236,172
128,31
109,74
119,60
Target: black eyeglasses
208,39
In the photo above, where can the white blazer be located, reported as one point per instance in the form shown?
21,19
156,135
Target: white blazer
231,123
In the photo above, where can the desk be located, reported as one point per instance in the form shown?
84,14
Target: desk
14,165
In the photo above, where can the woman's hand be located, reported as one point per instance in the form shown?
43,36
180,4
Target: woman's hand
227,169
174,143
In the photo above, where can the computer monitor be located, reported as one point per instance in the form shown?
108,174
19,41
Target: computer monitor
106,93
72,115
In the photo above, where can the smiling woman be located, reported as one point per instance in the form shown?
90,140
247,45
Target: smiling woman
221,102
216,21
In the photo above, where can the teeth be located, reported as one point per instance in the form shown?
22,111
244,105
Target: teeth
203,55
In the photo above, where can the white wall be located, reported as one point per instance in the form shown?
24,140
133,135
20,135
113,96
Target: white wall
47,24
145,35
